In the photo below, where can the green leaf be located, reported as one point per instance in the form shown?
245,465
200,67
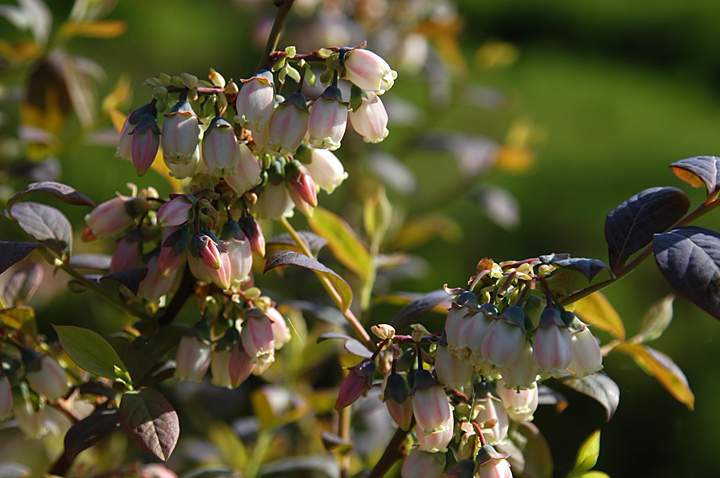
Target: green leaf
597,310
345,245
660,366
90,351
656,320
587,455
150,421
595,474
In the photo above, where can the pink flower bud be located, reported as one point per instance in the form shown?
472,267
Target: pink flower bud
145,143
587,356
47,378
493,419
256,101
254,233
519,404
451,371
288,125
113,216
127,255
281,332
326,169
257,337
241,366
247,175
505,338
328,120
153,287
6,399
124,149
356,383
180,137
30,418
492,464
370,120
552,346
274,202
220,148
176,211
209,250
301,187
420,464
212,262
193,355
169,259
430,404
368,71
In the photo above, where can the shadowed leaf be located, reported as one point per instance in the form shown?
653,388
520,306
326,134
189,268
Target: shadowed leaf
588,267
13,252
313,241
144,352
595,309
130,278
700,171
600,387
533,458
345,245
689,258
90,351
46,225
150,421
419,307
59,190
631,225
90,431
23,283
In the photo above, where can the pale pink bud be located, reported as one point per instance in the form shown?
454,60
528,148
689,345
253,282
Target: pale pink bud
220,368
209,255
256,101
505,338
274,202
587,356
247,175
301,187
370,120
257,337
193,357
437,441
176,211
49,379
145,143
492,464
430,404
209,250
113,216
356,383
281,332
124,149
127,255
31,418
288,125
396,394
552,346
6,399
153,287
254,233
180,137
241,366
519,404
420,464
326,169
451,371
168,260
523,372
220,148
369,71
493,419
328,120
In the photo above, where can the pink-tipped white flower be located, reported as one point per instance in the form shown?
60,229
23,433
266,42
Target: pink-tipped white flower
437,441
220,367
552,346
370,120
281,332
455,319
124,149
522,373
274,202
145,143
451,371
47,378
368,71
492,464
153,287
326,169
30,418
328,120
193,355
355,384
113,216
288,125
6,399
256,101
239,251
220,148
504,339
519,404
176,211
431,407
247,174
257,337
587,356
301,187
180,137
241,365
421,464
127,255
172,240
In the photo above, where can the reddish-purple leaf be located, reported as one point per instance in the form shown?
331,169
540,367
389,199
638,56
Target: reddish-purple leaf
600,387
90,431
23,283
699,171
130,278
150,421
286,258
13,252
59,190
419,307
588,267
314,242
631,225
689,258
45,224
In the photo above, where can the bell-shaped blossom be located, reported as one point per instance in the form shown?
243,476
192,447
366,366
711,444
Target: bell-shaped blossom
254,233
519,404
523,372
431,407
421,464
281,331
492,464
46,377
247,174
396,395
504,339
451,371
552,346
260,141
220,367
455,318
241,365
6,399
256,101
211,262
194,354
113,216
239,251
301,187
145,143
173,244
436,441
587,356
220,148
356,383
180,138
368,71
328,120
124,149
370,120
493,419
326,169
176,211
153,287
475,332
257,337
274,202
31,417
288,125
128,253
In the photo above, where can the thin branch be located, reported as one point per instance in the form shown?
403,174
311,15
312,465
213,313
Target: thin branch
393,452
274,38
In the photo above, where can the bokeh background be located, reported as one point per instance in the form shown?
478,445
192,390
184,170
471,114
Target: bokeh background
605,94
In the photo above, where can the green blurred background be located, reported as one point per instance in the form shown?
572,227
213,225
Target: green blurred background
616,90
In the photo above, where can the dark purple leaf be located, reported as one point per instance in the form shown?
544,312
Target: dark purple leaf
286,258
59,190
417,308
144,352
99,262
90,431
45,224
150,421
699,171
631,225
600,387
689,258
13,252
314,241
23,283
96,388
588,267
130,278
158,374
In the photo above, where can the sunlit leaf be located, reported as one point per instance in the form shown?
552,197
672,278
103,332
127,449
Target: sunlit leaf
150,421
13,252
90,431
597,310
656,320
20,318
118,98
90,351
93,29
345,245
599,387
660,366
46,225
587,455
420,229
700,171
351,344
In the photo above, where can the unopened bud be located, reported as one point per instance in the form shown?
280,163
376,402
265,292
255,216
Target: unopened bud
356,383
